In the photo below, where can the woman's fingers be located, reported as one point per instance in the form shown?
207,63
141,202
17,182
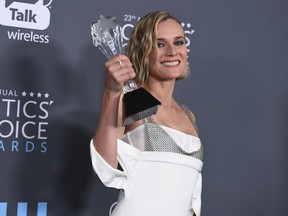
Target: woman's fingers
119,69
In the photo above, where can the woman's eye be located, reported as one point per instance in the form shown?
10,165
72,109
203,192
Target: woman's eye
160,45
178,43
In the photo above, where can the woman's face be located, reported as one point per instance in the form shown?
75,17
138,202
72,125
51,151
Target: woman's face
169,60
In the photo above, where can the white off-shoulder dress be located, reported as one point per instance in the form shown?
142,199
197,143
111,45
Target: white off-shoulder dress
161,173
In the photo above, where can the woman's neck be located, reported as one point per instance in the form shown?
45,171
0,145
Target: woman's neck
163,91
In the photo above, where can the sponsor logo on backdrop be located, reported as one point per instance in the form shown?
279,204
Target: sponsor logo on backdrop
29,17
130,20
24,121
22,208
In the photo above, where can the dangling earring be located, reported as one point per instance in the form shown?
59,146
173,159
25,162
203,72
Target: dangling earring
187,72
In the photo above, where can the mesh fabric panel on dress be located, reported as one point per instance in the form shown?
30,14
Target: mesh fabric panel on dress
157,139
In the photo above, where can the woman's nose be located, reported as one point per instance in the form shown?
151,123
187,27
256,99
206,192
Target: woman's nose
171,50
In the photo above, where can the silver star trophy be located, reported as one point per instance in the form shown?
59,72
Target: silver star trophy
138,103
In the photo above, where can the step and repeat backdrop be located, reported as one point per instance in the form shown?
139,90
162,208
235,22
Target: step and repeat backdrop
51,80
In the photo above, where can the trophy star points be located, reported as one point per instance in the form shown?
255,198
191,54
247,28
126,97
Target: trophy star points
106,35
106,23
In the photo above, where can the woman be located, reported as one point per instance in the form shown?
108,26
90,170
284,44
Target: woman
161,156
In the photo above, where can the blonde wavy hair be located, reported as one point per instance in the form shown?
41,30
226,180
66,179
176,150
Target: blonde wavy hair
143,40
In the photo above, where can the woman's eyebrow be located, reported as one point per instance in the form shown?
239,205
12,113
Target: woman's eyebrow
177,37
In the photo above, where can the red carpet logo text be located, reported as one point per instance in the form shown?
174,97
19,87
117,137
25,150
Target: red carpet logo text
26,16
24,121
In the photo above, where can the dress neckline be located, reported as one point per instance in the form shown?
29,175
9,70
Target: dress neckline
140,127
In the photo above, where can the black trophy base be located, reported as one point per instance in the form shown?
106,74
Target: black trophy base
139,104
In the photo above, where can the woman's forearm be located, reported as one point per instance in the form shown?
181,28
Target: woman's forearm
105,138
